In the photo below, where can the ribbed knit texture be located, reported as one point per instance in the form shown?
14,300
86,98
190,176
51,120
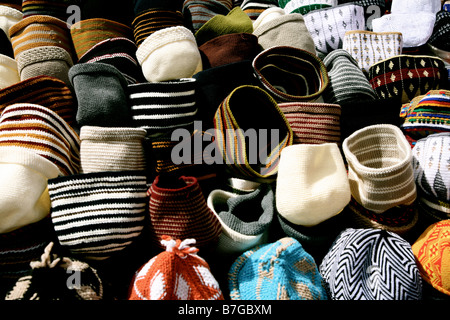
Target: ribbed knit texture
111,149
380,167
305,6
163,106
54,8
197,12
178,209
11,15
255,8
96,215
43,131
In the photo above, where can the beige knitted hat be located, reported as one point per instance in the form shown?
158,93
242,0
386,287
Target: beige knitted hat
9,73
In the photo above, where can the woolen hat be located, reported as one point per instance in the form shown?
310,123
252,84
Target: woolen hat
371,264
267,15
53,8
142,5
9,16
312,183
256,8
372,9
96,215
281,270
415,6
305,6
9,72
197,12
439,39
177,273
168,54
49,280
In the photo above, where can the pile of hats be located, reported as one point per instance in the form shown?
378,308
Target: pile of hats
225,150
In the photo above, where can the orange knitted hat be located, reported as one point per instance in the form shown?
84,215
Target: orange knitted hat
432,251
175,274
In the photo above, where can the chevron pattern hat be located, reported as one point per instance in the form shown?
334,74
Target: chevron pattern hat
371,264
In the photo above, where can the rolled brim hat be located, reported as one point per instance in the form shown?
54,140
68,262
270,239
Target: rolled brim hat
371,264
267,15
96,215
291,74
197,12
9,16
169,54
9,72
281,270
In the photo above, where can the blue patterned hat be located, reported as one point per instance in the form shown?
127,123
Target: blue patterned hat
282,270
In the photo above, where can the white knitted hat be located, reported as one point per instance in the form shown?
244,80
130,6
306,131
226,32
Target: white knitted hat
268,15
416,6
168,54
23,186
312,183
9,17
9,72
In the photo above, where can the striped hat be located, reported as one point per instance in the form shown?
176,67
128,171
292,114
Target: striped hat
371,264
151,20
177,273
197,12
9,16
380,167
111,149
347,80
312,122
306,79
235,119
40,30
118,52
254,9
41,130
142,5
160,107
88,32
45,91
96,215
9,72
305,6
54,8
178,209
427,114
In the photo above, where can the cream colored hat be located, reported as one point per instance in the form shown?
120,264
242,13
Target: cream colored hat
268,15
9,72
9,17
312,184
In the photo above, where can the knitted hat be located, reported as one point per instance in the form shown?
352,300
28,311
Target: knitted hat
245,218
380,167
229,48
96,215
446,6
24,176
87,33
100,90
267,15
254,9
347,81
54,8
246,110
431,250
309,177
49,280
329,25
142,5
236,21
283,30
197,12
371,264
9,73
426,114
168,54
178,208
407,76
291,74
305,6
372,9
118,52
9,16
151,20
163,106
282,270
415,6
43,131
178,273
368,47
313,123
40,30
49,61
439,39
5,45
111,149
45,91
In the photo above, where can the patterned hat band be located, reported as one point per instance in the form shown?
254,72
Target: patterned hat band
303,7
234,117
291,74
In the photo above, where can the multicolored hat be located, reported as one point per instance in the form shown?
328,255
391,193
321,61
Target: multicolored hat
255,8
305,6
282,270
197,12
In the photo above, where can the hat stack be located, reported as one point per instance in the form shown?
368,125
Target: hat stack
305,6
256,8
53,8
439,39
197,12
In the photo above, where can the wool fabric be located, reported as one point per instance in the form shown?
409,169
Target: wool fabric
9,72
57,9
439,39
197,12
267,15
305,6
254,9
415,6
9,16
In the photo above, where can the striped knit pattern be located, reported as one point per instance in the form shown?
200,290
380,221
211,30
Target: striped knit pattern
313,123
87,33
98,214
44,91
111,149
305,6
180,211
39,129
198,12
151,20
428,114
440,36
347,80
371,264
40,30
380,167
163,106
306,79
230,134
57,9
254,8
